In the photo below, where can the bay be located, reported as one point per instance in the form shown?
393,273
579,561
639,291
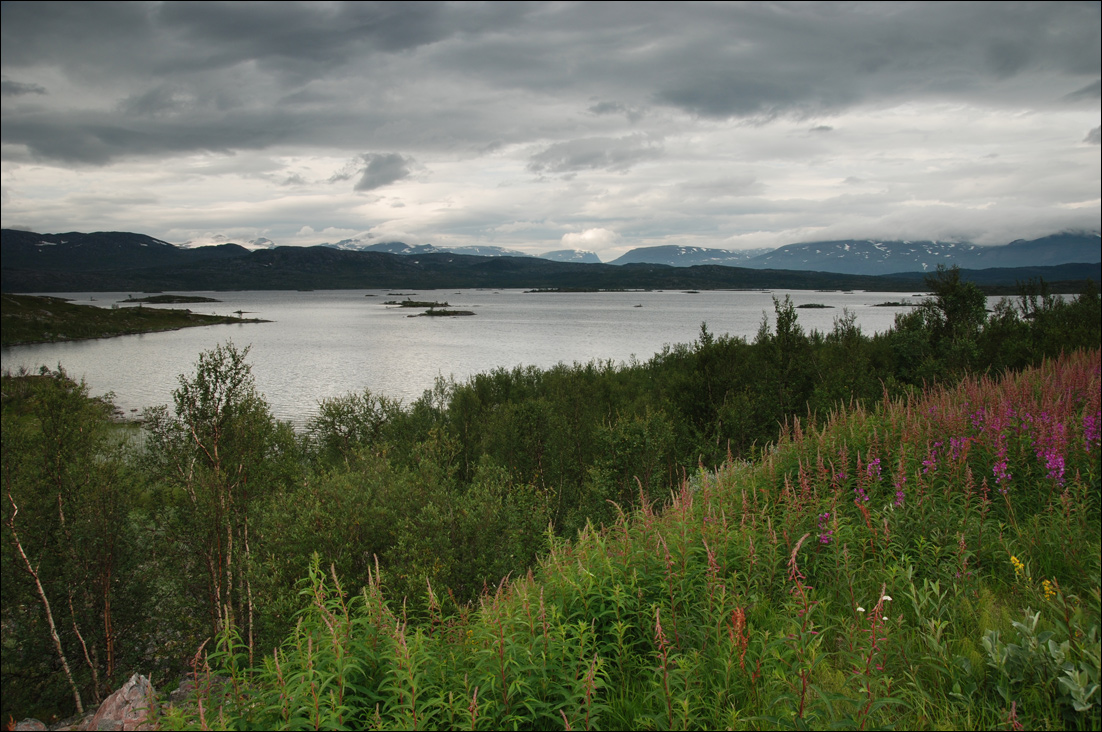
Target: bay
322,344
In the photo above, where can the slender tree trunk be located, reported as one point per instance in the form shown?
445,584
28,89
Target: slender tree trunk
84,647
229,568
45,605
248,589
108,625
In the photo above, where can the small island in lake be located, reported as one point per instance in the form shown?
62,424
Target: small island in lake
814,306
170,299
433,313
416,303
435,309
34,319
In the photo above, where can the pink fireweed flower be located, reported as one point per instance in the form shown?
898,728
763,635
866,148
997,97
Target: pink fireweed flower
957,446
1002,475
1001,469
900,481
1091,429
873,469
978,418
1050,447
930,463
825,534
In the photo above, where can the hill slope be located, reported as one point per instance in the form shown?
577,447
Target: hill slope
934,563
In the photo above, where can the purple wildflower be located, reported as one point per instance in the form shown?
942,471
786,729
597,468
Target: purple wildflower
956,446
1002,474
825,534
1090,428
899,482
978,417
930,463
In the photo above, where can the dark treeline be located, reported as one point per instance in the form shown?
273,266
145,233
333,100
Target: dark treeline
125,551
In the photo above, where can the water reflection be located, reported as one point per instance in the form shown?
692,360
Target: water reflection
327,343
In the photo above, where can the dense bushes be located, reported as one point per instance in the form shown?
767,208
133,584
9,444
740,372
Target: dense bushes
933,563
203,524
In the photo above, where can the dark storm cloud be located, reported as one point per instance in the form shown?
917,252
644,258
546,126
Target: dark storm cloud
764,60
711,60
163,99
15,89
579,94
632,113
305,70
616,154
382,169
180,37
97,139
1090,91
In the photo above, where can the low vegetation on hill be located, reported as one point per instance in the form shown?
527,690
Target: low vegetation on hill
34,319
932,562
800,530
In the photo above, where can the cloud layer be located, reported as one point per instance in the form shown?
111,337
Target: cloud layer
529,125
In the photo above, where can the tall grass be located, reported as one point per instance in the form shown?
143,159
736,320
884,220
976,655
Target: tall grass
933,562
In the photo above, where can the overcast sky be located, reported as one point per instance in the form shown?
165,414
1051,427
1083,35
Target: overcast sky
552,125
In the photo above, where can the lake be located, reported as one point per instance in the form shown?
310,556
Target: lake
322,344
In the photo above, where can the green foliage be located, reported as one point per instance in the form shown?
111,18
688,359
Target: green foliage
770,594
712,613
211,464
72,561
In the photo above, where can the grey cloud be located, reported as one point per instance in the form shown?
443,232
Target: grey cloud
299,39
164,99
326,75
766,60
616,154
1094,137
608,108
1092,90
726,188
710,95
1008,57
382,169
73,34
632,113
97,139
10,88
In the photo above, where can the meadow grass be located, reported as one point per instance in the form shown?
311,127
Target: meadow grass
932,562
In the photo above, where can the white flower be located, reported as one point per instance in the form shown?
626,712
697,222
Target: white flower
887,598
860,609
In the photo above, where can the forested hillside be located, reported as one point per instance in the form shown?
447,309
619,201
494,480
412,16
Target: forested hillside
851,515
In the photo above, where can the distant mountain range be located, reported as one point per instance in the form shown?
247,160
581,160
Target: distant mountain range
678,256
847,256
397,247
872,257
114,261
102,251
572,255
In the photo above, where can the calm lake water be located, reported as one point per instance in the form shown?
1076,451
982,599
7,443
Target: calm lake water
327,343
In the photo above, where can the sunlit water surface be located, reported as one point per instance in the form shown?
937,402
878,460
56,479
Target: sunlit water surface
327,343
